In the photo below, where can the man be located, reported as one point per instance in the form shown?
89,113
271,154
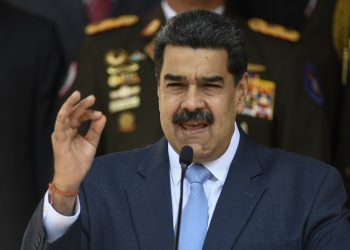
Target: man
31,72
255,197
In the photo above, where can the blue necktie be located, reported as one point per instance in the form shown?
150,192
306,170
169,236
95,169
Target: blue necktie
194,222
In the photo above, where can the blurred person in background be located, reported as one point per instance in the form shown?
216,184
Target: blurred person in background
31,71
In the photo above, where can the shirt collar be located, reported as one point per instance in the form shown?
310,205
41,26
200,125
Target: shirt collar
219,167
170,12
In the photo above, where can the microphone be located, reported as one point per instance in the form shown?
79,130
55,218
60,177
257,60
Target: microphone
185,159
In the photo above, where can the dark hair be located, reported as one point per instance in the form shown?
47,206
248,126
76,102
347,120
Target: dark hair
203,29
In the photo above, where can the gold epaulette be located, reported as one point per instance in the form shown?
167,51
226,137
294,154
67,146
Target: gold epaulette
111,23
275,30
151,28
257,68
341,36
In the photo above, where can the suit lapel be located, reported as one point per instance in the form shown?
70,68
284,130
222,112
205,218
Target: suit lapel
150,200
239,197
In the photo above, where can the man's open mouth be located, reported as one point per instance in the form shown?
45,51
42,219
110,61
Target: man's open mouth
193,125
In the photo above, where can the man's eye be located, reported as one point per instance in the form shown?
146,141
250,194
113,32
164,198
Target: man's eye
174,84
211,85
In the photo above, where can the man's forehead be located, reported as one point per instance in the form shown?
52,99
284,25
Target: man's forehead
193,57
172,47
182,63
202,77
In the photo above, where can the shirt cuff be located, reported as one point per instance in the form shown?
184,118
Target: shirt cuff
55,223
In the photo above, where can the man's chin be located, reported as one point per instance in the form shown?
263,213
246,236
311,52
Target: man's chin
194,143
200,152
198,137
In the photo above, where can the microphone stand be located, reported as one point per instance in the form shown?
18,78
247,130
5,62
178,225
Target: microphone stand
179,213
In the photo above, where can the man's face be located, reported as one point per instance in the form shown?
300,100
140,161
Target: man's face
198,80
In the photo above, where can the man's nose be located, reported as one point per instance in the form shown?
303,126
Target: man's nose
193,100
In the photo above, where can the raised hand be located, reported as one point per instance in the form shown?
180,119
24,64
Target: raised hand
74,153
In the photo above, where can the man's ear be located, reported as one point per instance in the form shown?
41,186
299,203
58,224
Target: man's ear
241,90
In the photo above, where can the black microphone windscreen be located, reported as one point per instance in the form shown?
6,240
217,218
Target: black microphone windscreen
186,155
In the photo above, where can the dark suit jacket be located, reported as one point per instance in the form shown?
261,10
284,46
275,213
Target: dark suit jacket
271,200
31,70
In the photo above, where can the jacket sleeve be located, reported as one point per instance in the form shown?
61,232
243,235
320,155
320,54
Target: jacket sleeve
35,236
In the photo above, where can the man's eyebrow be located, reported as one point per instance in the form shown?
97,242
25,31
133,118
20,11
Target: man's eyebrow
216,78
171,77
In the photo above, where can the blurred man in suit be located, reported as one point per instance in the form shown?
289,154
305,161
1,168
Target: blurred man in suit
31,70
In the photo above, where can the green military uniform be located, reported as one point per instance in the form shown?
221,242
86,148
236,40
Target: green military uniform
294,85
116,66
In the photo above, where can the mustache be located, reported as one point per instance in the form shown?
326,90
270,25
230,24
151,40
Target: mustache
198,115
